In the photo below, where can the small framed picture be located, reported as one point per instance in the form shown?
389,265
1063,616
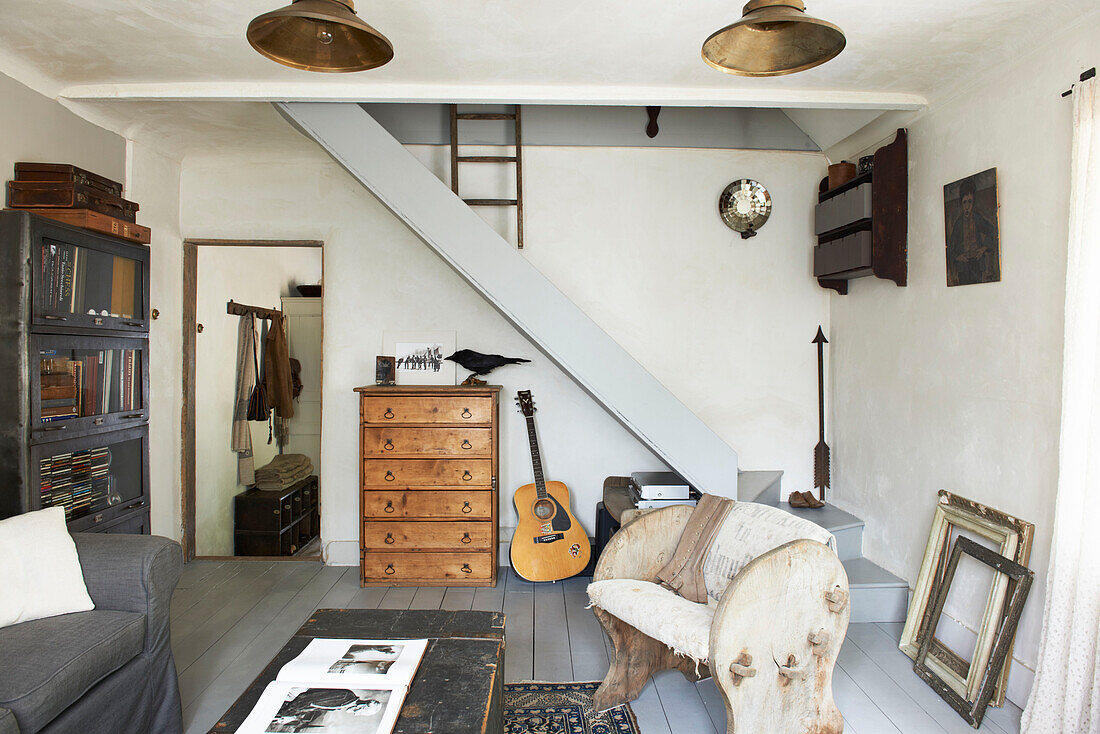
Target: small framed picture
973,238
385,372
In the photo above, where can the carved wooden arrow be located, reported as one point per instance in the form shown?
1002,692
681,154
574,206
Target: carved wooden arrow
821,451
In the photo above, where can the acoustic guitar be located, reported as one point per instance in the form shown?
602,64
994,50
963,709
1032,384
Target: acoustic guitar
549,544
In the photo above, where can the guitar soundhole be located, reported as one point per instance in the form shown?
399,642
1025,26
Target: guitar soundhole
544,509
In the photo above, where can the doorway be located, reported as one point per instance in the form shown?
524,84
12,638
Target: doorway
228,286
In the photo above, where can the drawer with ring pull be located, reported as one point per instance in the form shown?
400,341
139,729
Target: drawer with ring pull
396,409
383,568
442,505
405,441
455,473
454,536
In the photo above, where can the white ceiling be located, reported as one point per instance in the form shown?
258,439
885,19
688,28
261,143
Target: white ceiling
900,53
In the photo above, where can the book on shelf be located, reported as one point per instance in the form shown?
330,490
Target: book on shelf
338,685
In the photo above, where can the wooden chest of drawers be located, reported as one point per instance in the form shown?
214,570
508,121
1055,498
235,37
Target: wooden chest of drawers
428,485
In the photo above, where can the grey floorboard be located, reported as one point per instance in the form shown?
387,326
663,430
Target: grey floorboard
650,712
714,703
196,572
552,658
343,591
184,600
428,597
586,645
367,597
857,706
491,598
887,694
519,612
398,597
680,696
458,598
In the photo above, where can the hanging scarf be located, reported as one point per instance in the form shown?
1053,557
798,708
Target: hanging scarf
241,434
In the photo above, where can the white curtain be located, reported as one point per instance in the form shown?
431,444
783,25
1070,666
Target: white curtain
1066,696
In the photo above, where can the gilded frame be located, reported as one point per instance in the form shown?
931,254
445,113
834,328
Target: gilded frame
1013,538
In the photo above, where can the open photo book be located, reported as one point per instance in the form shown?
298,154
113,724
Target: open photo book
338,685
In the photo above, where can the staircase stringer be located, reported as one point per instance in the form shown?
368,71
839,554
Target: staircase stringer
519,292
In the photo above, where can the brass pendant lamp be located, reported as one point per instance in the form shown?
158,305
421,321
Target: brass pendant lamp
773,37
319,35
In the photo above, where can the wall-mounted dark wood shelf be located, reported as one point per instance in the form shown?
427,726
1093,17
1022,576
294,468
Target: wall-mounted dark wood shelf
862,225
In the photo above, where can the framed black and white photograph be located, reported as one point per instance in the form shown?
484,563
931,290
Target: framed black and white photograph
420,358
972,232
367,659
322,710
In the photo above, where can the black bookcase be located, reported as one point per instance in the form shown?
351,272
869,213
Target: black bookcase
74,359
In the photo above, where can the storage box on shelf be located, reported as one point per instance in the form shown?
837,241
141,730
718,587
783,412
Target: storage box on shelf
74,324
428,478
862,225
277,523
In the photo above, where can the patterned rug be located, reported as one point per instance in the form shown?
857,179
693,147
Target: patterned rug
561,708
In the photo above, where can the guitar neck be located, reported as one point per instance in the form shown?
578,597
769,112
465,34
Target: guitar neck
536,458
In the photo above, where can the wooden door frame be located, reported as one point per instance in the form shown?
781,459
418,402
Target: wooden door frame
187,418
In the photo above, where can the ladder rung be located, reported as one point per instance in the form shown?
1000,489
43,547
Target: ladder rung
486,159
490,202
485,116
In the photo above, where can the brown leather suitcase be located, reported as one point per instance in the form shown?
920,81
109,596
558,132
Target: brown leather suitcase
69,195
97,223
25,171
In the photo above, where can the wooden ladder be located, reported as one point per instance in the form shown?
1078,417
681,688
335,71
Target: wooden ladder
517,159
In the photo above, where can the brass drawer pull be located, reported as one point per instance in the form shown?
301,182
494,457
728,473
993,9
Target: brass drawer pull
286,507
466,413
389,445
466,508
390,571
389,539
467,476
389,476
467,445
389,506
388,414
466,568
467,539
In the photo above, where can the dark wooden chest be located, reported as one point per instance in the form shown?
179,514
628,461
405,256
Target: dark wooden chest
276,523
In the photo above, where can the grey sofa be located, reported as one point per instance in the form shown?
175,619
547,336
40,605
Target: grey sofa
107,670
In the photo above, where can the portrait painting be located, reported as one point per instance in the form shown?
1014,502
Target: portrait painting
972,232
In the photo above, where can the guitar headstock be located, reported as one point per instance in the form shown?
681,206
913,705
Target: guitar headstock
525,402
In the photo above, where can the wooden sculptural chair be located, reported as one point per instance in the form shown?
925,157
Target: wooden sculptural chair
776,617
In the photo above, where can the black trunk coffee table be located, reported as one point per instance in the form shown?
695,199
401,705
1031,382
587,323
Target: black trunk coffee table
458,688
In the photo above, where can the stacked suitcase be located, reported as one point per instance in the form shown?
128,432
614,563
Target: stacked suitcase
75,196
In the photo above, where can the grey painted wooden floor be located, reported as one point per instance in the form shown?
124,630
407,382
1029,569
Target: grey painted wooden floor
229,618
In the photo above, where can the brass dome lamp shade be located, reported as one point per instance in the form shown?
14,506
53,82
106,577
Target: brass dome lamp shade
773,37
319,35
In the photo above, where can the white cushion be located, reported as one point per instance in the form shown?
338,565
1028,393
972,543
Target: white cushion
751,530
655,611
39,569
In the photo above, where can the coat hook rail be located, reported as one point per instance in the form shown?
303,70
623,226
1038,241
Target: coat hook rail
239,309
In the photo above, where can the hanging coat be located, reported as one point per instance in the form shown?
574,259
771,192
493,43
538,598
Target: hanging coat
277,377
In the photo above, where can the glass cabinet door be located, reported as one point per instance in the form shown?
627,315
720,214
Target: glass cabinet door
80,385
78,285
95,478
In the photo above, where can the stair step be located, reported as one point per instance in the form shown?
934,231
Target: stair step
485,116
490,202
487,159
758,486
845,527
877,594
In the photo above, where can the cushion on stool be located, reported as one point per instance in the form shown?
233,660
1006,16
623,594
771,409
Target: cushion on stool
657,612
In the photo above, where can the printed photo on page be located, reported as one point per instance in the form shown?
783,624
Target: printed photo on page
293,707
337,685
355,662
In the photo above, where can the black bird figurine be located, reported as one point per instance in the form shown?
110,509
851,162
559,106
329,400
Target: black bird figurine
481,364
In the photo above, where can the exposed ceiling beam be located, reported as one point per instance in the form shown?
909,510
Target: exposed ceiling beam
359,91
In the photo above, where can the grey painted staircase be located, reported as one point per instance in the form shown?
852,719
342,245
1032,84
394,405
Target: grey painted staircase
877,594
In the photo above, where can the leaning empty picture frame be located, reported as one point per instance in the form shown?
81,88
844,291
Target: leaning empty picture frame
1012,538
1018,578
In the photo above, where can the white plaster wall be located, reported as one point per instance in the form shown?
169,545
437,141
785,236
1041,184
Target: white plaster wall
718,299
36,128
258,277
153,181
959,388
